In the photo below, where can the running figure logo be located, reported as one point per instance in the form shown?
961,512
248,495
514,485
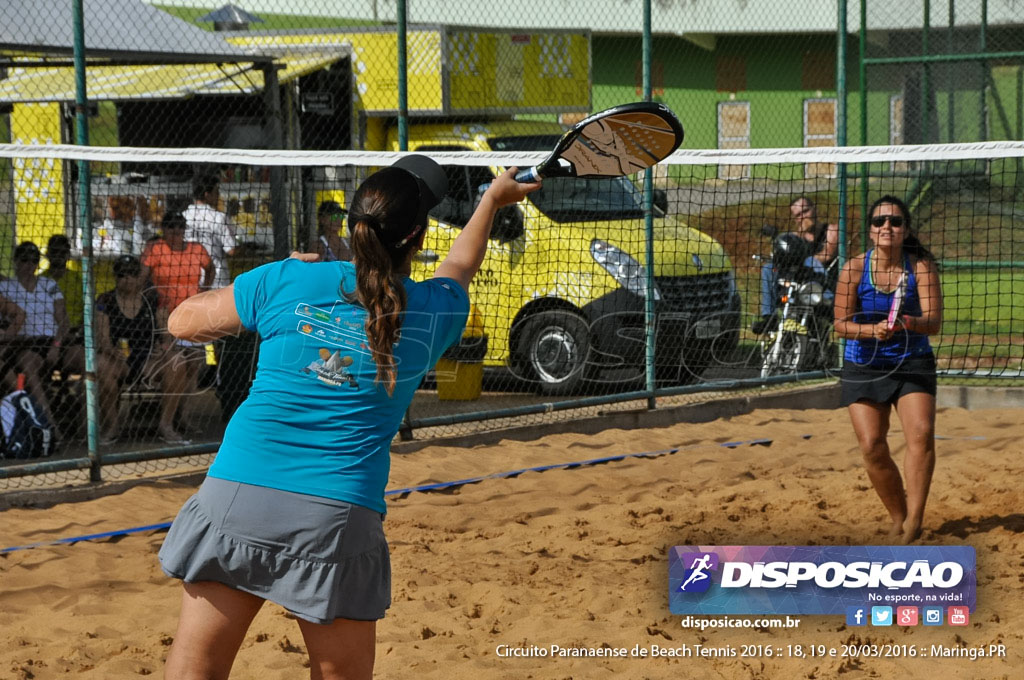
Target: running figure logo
697,578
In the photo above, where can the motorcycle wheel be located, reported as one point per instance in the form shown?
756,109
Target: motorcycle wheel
792,356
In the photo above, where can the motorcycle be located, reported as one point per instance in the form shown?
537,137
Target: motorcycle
797,336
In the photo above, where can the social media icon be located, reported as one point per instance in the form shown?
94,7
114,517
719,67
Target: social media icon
881,616
906,616
856,616
958,616
932,616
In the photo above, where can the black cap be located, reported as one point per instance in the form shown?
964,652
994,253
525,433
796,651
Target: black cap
329,208
407,220
125,264
431,177
58,242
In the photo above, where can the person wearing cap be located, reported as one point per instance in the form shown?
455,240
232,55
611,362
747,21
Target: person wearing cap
292,508
331,246
58,251
128,320
41,345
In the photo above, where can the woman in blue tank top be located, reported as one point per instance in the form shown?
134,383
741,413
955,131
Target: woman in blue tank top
890,364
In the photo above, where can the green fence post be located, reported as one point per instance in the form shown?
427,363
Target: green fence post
85,217
649,320
403,82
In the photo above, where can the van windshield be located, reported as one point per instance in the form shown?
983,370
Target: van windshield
567,199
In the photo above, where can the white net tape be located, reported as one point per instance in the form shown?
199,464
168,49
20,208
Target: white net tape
820,154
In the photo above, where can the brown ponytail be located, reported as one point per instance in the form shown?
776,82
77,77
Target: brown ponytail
381,216
380,291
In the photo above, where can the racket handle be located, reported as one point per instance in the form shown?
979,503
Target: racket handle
528,175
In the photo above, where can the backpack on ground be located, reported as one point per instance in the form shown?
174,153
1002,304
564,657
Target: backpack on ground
26,429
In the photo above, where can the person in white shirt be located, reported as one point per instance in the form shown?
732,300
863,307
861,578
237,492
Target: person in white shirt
41,340
210,227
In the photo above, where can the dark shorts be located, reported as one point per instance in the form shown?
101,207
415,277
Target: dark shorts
319,558
12,348
887,385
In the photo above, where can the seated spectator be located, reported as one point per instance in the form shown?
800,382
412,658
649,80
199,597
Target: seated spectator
127,326
58,251
41,345
12,319
178,269
331,245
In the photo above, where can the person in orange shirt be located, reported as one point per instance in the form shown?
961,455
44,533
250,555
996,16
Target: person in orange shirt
178,269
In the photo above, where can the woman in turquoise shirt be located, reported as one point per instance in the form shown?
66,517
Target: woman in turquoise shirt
292,508
892,366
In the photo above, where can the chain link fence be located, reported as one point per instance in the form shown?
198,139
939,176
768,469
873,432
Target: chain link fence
298,100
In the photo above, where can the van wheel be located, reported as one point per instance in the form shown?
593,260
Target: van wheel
554,348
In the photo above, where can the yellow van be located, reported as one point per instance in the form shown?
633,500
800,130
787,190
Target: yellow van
561,292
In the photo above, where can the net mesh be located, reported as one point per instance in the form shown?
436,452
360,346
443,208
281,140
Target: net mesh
295,101
559,304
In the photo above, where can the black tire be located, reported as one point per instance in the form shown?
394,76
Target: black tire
554,350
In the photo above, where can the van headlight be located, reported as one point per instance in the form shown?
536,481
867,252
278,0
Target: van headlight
810,294
622,267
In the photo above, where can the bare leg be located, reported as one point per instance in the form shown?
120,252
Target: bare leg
213,623
109,374
175,381
871,423
31,365
917,414
343,650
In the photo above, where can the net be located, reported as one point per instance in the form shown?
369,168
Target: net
559,306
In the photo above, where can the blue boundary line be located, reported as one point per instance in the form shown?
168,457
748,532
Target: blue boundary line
163,526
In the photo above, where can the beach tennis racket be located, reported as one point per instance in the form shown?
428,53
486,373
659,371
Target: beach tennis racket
897,301
618,141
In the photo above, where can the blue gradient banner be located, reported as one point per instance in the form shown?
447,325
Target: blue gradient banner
710,580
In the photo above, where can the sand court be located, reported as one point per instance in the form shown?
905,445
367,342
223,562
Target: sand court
489,574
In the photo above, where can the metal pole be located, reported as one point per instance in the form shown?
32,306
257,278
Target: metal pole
841,38
925,73
841,120
983,65
950,97
275,138
1020,117
862,73
85,220
650,322
942,58
403,84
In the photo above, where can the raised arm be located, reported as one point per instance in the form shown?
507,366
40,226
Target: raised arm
205,317
468,249
831,245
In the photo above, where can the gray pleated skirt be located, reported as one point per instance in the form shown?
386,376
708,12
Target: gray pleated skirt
319,558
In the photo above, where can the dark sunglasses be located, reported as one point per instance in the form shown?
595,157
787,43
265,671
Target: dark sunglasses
128,273
28,259
895,220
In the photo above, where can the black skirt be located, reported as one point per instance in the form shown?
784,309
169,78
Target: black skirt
885,385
